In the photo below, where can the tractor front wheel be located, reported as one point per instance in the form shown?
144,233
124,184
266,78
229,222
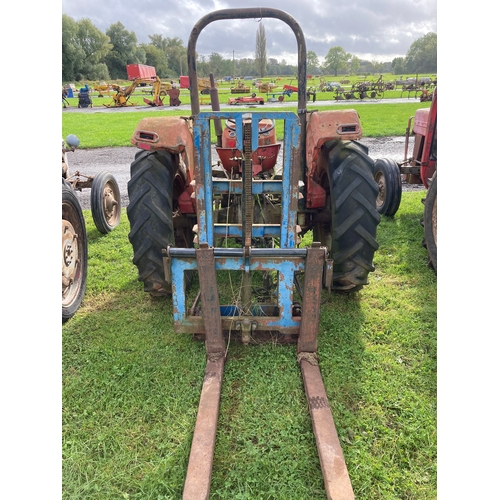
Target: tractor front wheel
388,177
105,202
350,235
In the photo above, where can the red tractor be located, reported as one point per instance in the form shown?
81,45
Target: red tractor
419,168
240,205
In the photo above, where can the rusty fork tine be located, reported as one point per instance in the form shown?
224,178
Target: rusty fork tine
335,475
199,472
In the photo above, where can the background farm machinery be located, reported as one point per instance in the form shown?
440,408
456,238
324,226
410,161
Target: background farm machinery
373,89
159,91
418,166
105,197
105,206
418,87
240,88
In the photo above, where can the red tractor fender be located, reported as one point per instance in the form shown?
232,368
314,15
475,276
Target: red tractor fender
175,135
322,127
429,161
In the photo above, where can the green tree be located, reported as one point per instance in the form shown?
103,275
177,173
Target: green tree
260,51
226,68
215,64
72,53
93,47
158,41
354,65
422,56
176,55
272,66
245,67
377,67
123,52
174,51
336,60
157,58
202,67
398,65
312,62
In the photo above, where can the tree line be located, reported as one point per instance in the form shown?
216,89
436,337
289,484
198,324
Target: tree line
90,54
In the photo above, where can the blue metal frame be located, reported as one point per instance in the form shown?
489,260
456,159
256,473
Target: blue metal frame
286,259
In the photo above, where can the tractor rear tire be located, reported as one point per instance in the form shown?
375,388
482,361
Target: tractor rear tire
150,213
388,177
74,253
105,202
430,222
350,239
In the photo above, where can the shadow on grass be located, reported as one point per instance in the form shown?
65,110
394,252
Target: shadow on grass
131,386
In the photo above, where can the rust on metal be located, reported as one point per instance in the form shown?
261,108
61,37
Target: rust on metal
195,325
335,475
209,299
214,99
199,472
171,133
287,318
311,299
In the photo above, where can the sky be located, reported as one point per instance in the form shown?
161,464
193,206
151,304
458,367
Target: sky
373,30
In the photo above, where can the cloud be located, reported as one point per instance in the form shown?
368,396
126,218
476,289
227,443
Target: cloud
374,29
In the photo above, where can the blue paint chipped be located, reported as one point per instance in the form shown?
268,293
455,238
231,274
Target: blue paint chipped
207,187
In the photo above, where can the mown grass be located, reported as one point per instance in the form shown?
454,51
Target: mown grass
131,386
115,128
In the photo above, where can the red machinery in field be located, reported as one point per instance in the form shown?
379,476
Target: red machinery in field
253,99
291,88
419,168
141,71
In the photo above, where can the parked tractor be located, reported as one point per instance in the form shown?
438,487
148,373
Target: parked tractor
105,201
241,208
105,205
419,168
74,242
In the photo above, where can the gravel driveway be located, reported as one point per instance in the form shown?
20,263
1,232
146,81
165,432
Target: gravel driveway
117,161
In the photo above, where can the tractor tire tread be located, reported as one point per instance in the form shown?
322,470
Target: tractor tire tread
150,213
354,215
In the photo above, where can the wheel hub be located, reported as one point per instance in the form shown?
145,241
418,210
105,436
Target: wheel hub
380,180
110,204
70,257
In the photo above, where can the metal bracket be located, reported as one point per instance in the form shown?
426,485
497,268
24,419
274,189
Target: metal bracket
167,270
311,300
214,340
328,273
246,327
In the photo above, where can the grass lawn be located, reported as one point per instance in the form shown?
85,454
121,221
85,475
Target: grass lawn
115,128
131,386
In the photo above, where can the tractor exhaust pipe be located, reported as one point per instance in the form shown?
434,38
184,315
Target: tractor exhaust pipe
214,99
